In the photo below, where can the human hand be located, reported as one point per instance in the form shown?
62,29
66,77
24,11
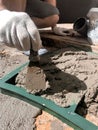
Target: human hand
19,31
61,31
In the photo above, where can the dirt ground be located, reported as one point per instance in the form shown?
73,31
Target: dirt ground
14,113
71,74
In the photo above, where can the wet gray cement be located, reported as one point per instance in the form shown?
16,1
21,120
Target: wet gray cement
70,74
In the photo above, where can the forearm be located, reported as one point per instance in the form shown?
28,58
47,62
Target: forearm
15,5
2,5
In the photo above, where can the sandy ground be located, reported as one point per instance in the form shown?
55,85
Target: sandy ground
14,113
70,75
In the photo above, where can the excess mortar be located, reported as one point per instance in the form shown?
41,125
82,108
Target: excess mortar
71,75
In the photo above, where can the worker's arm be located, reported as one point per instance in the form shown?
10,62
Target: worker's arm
16,28
19,31
15,5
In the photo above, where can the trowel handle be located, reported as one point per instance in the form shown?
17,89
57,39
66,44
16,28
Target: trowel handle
33,53
34,56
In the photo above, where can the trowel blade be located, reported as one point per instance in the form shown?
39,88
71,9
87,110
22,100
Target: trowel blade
35,77
40,52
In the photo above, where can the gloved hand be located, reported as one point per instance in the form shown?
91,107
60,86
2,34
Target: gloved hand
19,31
92,33
61,31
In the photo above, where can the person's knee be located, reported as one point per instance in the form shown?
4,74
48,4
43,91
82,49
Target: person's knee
51,20
46,22
54,19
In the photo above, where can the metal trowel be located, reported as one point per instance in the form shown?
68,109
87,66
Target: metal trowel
35,77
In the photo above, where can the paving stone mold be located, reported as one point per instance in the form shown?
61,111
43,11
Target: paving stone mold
67,115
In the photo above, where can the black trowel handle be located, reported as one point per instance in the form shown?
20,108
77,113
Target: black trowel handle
33,53
34,56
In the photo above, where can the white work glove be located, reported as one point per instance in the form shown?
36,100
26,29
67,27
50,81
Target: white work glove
92,33
61,31
19,31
